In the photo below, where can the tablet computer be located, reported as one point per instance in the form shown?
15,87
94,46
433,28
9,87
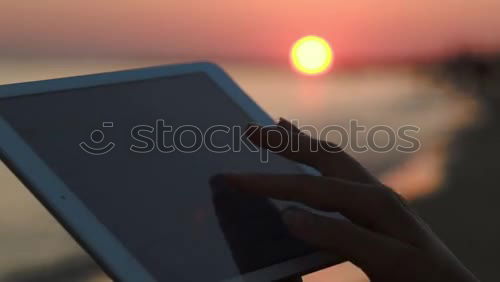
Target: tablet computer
123,161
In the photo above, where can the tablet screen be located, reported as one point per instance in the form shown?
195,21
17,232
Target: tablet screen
140,155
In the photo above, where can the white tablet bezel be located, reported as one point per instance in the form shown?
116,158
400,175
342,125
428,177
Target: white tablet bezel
72,213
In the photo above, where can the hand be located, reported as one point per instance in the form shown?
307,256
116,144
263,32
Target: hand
384,237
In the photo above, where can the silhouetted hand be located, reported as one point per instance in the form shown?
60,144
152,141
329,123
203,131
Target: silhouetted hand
384,237
251,224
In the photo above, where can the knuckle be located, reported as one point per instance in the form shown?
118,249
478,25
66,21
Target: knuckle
389,199
389,196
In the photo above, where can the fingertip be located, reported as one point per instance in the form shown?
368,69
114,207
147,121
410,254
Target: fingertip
229,178
288,125
217,182
283,121
216,178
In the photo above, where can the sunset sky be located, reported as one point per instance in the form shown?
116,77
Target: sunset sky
260,30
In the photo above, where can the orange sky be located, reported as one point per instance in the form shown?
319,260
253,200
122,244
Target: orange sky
361,31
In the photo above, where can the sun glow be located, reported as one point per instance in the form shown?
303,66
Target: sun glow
311,55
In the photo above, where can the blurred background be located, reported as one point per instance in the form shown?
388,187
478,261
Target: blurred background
432,64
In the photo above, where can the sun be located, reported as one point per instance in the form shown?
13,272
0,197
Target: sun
311,55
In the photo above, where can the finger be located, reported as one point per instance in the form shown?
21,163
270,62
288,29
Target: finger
245,219
317,192
365,248
327,157
375,208
290,127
